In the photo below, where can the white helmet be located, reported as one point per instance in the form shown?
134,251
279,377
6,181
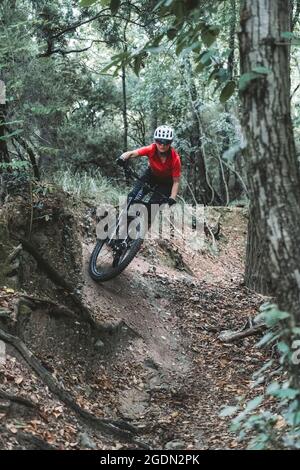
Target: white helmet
164,132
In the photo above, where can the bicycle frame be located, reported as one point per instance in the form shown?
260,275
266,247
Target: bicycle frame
131,173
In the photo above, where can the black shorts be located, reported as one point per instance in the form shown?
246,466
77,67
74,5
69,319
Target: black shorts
163,188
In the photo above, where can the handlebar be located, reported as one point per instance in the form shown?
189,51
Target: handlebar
133,174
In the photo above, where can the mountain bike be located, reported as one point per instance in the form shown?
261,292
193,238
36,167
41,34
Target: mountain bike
113,253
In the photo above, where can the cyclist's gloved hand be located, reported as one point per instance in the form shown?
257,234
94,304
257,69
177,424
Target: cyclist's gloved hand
122,162
171,201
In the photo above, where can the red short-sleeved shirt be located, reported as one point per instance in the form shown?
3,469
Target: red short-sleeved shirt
171,168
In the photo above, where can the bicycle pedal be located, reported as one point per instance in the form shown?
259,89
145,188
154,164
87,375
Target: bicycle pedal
122,245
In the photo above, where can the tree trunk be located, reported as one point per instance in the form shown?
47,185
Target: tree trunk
273,175
125,120
204,192
154,116
231,41
256,257
125,117
4,156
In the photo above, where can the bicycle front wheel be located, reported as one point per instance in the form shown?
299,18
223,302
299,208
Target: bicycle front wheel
110,257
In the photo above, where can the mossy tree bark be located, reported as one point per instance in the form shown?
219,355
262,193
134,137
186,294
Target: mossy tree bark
273,174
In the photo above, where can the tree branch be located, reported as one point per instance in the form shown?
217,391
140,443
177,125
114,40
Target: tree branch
231,336
74,26
18,399
63,52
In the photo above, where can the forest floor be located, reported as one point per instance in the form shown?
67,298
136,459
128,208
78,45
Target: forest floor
162,372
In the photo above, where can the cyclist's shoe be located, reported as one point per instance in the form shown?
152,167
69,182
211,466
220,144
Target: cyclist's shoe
171,201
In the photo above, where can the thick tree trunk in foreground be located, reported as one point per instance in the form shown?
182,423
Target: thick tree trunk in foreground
274,180
256,276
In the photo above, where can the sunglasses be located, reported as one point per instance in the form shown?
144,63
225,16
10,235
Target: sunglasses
163,141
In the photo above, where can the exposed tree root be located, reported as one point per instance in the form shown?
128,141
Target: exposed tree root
29,441
61,311
33,442
14,406
46,267
231,336
116,428
17,399
52,308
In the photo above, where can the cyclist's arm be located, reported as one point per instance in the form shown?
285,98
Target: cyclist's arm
175,187
130,154
140,152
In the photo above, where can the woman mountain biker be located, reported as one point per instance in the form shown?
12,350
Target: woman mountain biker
111,255
164,169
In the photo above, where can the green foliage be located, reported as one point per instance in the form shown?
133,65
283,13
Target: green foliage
271,315
114,5
261,70
253,422
70,105
15,176
246,79
205,59
257,73
294,40
67,111
186,25
227,91
88,185
209,34
15,166
11,134
87,3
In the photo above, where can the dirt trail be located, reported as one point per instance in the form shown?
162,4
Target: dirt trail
181,372
163,368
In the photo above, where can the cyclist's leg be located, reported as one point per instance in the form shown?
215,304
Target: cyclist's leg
160,196
138,191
